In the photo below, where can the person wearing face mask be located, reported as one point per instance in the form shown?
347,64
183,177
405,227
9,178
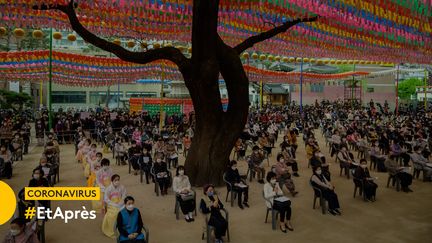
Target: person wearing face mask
232,175
212,205
129,223
256,162
113,197
145,163
362,174
287,153
171,153
327,189
346,159
103,180
20,232
94,167
17,144
379,157
421,162
276,200
161,172
184,193
47,169
22,206
39,180
283,175
5,162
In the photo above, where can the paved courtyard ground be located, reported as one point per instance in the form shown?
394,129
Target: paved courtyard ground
395,216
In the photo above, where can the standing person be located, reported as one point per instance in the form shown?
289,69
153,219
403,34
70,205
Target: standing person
362,173
20,232
40,132
274,194
233,177
184,193
212,205
113,197
327,189
129,223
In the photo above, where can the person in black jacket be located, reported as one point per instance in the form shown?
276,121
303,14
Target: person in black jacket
362,173
145,163
39,180
238,185
213,208
162,174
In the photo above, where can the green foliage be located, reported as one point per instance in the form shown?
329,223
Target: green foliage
407,88
14,100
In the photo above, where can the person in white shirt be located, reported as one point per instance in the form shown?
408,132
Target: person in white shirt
418,159
184,193
276,200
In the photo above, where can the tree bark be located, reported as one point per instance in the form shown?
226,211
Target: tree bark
216,131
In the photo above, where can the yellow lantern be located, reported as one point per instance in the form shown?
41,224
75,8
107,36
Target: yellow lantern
305,59
312,60
356,61
350,62
299,59
156,45
332,61
270,58
262,57
71,37
291,59
181,48
37,34
143,45
338,62
344,61
277,58
285,59
190,49
117,42
168,44
3,31
319,62
254,55
326,61
19,33
131,43
245,55
367,62
57,35
362,62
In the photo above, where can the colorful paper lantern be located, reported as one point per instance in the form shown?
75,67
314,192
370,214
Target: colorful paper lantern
306,60
277,58
299,59
3,31
291,59
57,35
37,34
131,43
143,45
71,37
270,58
254,55
19,33
262,57
117,41
156,45
245,55
312,60
285,59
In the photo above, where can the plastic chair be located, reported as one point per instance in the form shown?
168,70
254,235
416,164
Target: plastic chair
144,228
373,162
417,169
274,213
208,228
156,188
177,205
344,169
358,184
318,194
395,180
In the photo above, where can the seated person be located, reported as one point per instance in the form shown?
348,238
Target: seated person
240,148
120,150
419,160
171,153
284,176
5,154
146,163
212,205
232,175
318,159
129,223
20,232
162,174
274,194
256,162
39,180
48,169
287,153
401,172
327,189
346,159
134,153
398,151
362,173
311,147
22,206
264,143
380,158
184,193
114,197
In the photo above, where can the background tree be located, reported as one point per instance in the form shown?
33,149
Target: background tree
407,88
14,100
216,130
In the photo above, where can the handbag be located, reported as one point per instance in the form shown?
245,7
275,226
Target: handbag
188,196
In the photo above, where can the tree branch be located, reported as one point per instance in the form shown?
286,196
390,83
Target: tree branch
251,41
166,53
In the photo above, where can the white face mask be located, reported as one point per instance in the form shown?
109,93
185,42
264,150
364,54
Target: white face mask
233,167
281,160
318,172
181,172
158,160
130,207
36,176
363,166
273,181
15,232
116,183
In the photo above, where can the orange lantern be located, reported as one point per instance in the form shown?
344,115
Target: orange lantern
117,42
131,43
3,31
19,33
71,37
37,34
57,35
